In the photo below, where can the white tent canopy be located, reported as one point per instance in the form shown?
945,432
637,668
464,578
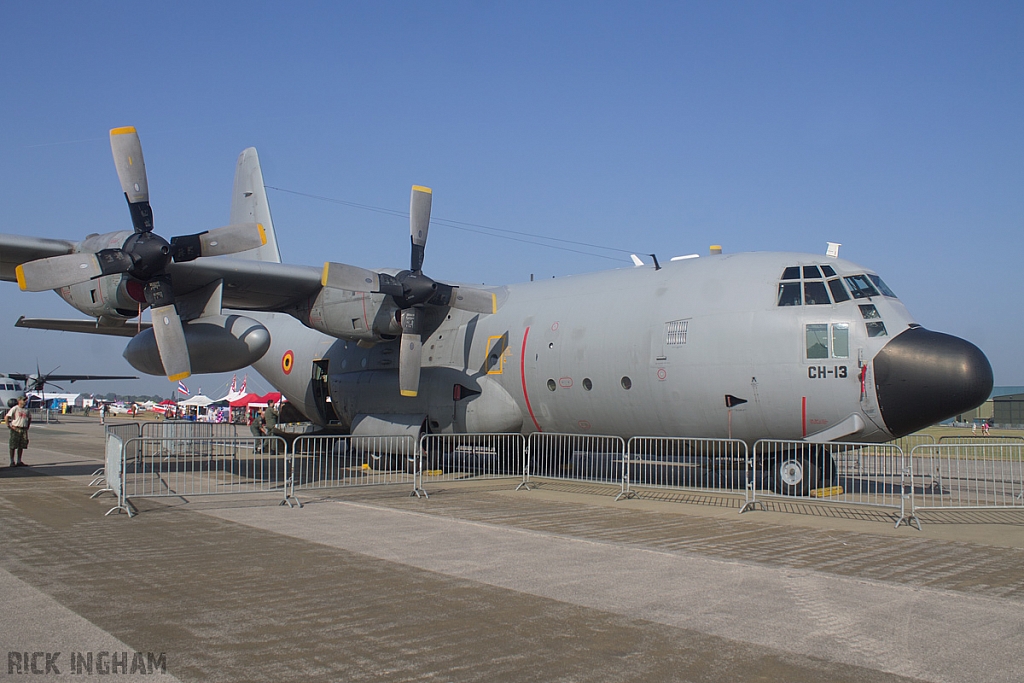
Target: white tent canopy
198,400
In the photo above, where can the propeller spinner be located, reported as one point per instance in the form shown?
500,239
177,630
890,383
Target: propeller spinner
411,290
144,255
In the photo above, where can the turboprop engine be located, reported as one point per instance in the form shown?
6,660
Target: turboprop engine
216,343
355,316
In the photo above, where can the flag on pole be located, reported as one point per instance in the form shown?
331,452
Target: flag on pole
234,383
245,379
182,388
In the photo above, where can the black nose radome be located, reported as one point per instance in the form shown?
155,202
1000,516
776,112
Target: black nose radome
923,377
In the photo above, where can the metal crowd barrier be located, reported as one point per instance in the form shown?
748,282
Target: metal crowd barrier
979,440
878,475
574,457
184,429
934,476
456,457
205,466
968,476
690,463
321,462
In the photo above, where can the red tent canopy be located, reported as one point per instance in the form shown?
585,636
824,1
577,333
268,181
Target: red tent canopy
271,397
167,402
245,400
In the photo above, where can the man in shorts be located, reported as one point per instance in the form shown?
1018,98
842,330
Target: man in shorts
18,420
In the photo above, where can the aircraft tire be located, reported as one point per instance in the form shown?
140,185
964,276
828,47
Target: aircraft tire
794,475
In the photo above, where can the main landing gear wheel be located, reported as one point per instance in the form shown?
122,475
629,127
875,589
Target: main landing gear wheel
795,475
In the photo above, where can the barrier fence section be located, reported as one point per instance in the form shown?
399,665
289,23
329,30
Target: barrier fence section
979,440
850,473
154,467
574,457
184,429
690,463
975,476
320,462
456,457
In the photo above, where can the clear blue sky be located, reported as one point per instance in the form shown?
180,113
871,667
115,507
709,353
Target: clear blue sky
893,128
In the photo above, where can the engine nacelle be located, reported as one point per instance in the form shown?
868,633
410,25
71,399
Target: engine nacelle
110,296
217,343
354,316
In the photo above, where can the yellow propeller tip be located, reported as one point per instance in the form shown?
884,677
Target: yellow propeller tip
20,274
420,188
323,276
263,233
179,376
406,392
124,130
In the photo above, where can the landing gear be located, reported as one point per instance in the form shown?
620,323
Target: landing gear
795,474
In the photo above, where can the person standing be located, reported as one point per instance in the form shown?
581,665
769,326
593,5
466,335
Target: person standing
18,420
270,421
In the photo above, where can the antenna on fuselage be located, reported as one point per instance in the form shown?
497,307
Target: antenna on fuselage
833,249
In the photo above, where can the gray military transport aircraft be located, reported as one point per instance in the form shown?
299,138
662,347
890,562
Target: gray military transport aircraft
750,345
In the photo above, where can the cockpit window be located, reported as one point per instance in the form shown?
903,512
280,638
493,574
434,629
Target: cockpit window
869,312
828,270
882,287
791,273
838,291
876,329
815,293
860,286
789,294
812,273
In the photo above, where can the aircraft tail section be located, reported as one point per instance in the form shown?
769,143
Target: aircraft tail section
249,205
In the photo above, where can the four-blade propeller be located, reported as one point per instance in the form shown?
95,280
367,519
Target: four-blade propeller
411,290
144,255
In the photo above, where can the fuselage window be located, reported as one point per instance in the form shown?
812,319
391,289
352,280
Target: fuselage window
817,341
812,273
838,291
876,329
819,338
815,293
789,294
791,273
882,287
841,340
675,332
869,312
860,286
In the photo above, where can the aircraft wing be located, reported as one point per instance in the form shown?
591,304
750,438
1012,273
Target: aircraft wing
87,325
67,378
248,285
17,249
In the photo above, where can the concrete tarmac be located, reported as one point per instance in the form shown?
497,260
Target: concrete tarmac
481,583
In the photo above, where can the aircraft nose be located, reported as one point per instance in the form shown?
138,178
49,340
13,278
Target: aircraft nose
923,377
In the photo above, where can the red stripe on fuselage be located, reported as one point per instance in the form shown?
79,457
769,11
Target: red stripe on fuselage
522,375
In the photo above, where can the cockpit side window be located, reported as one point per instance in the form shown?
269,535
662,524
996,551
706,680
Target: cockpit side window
789,294
838,291
882,287
828,270
860,286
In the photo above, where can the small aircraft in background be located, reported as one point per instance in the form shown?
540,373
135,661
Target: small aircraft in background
15,384
790,346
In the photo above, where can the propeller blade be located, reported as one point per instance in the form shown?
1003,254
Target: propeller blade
229,239
411,353
56,272
131,171
170,341
419,223
474,300
70,269
349,278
